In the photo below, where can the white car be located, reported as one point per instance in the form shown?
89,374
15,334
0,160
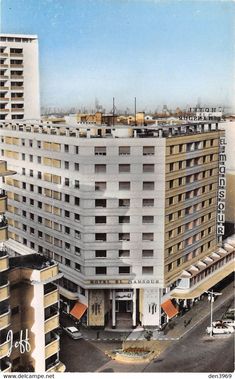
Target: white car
229,322
73,332
220,328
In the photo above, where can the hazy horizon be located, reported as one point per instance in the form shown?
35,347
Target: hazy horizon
162,52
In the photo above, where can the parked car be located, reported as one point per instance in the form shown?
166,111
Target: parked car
220,328
229,321
73,332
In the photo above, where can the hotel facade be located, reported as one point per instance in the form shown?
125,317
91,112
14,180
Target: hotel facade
130,214
19,77
29,313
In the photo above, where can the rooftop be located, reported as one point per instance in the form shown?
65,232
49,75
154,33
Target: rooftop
32,261
91,130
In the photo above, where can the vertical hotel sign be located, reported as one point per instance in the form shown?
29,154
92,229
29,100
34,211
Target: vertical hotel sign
221,189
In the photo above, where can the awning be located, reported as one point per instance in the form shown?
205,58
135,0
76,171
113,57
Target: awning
206,284
169,308
78,310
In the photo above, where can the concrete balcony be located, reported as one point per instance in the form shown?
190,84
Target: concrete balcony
17,77
17,65
4,263
3,203
4,349
19,110
3,55
5,366
5,318
3,232
4,99
16,54
57,366
51,321
53,346
5,110
3,77
16,88
4,89
51,295
17,99
4,291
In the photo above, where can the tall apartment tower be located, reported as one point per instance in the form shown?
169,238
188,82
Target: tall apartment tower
130,214
28,304
19,77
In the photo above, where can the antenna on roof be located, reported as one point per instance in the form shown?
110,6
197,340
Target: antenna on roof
135,111
113,109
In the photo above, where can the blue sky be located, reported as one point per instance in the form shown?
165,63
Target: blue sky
162,52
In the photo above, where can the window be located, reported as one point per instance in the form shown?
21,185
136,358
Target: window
31,202
124,219
148,150
170,266
148,202
100,186
148,167
66,148
31,186
23,199
24,213
30,143
100,150
40,190
76,184
100,253
147,270
124,270
124,168
147,253
100,270
124,186
76,217
77,267
100,203
76,149
124,150
76,166
23,171
66,214
100,236
66,198
39,219
39,144
23,185
67,230
77,234
123,253
31,173
124,203
30,158
124,236
67,262
66,182
39,175
147,219
100,219
147,236
39,234
67,246
39,159
39,204
77,201
100,168
148,186
66,165
23,157
77,251
31,230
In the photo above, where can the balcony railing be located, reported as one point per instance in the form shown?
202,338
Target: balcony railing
5,366
50,287
3,253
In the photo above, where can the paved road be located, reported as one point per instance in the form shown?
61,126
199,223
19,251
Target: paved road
198,353
195,352
80,355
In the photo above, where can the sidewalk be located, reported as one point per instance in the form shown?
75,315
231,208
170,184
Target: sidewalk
175,329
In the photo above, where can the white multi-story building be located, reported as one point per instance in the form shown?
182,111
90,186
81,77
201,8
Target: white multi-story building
129,213
19,77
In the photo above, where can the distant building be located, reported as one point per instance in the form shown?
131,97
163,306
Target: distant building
19,77
28,304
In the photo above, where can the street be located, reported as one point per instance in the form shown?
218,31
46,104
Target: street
194,352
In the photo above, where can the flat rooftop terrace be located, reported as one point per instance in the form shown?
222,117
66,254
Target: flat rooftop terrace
91,130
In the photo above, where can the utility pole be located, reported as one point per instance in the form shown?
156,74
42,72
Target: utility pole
113,109
135,111
211,298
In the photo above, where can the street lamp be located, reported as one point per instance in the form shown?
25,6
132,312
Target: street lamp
211,298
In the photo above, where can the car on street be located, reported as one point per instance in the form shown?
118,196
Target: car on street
73,332
229,321
220,328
